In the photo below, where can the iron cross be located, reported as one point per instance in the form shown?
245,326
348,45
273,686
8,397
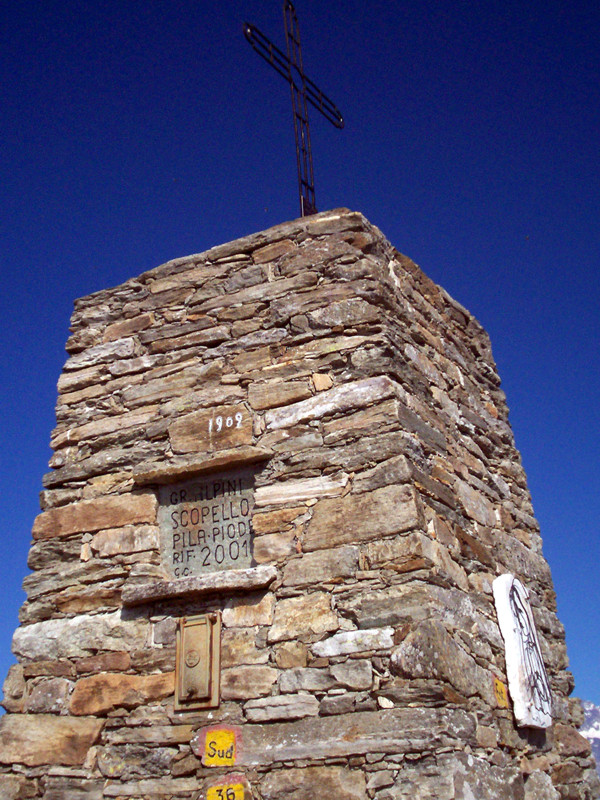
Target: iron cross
303,90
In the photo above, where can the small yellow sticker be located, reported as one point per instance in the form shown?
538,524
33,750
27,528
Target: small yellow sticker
228,791
501,693
219,751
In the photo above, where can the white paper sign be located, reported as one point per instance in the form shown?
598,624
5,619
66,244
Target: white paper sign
527,678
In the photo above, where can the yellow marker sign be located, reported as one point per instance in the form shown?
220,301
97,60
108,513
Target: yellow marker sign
501,693
228,791
219,751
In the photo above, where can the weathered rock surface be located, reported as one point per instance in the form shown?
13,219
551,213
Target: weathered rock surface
282,707
349,642
94,515
79,636
239,683
47,739
363,517
322,567
456,777
249,611
239,646
101,693
189,434
312,782
49,696
17,787
360,651
308,614
539,787
393,731
236,579
430,652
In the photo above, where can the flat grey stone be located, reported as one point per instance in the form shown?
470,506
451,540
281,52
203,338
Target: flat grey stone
355,642
398,730
281,707
229,580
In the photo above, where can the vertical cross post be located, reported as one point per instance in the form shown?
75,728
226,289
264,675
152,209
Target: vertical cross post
303,91
306,178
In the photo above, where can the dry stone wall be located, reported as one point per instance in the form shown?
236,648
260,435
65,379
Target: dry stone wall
302,436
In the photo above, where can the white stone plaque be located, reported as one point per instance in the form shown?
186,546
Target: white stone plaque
527,678
205,523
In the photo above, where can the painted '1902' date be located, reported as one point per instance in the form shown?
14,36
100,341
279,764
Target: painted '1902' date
219,423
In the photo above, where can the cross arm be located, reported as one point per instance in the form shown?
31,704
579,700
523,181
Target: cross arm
265,48
323,104
280,62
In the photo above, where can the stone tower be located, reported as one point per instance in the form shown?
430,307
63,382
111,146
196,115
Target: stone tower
283,489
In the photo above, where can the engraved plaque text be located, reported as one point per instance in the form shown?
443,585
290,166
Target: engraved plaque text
205,523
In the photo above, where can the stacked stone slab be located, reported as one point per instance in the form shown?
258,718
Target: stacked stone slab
360,648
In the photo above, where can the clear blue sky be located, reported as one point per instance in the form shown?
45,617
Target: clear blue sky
136,132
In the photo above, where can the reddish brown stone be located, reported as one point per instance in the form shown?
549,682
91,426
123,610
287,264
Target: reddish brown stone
128,326
322,381
46,739
57,669
212,336
273,395
114,511
253,609
198,432
364,517
77,600
275,547
307,784
105,662
566,773
271,251
570,742
240,683
14,689
303,615
100,694
275,521
17,787
99,427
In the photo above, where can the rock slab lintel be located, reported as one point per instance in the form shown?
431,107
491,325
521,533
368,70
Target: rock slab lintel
229,580
181,468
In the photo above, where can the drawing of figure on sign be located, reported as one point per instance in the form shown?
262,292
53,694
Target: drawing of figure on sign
527,678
